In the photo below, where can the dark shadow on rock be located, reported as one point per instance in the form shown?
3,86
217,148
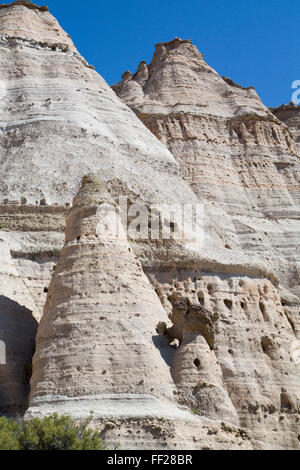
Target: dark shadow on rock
166,350
18,330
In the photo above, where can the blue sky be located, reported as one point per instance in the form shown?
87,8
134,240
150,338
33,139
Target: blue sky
253,42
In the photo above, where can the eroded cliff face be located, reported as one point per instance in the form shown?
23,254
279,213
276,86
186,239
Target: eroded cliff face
181,347
232,151
100,308
237,355
18,327
97,346
60,120
235,332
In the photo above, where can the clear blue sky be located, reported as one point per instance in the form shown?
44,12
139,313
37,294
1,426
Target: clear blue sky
254,42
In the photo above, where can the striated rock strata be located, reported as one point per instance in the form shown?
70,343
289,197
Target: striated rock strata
238,352
233,152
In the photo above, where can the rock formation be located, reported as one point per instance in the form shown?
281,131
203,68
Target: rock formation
59,121
178,342
238,352
240,159
17,337
100,308
96,344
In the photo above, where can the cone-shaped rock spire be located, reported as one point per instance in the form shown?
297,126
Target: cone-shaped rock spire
17,337
27,21
97,336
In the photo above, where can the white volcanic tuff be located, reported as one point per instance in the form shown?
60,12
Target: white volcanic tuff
32,24
17,330
234,153
97,347
56,107
59,120
143,422
178,79
75,122
238,352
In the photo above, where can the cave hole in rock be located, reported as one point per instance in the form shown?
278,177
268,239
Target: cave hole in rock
201,298
228,303
197,362
285,401
210,289
46,290
267,345
263,310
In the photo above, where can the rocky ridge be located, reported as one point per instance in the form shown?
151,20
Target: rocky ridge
233,151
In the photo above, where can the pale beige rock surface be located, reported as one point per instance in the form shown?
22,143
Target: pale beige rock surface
35,24
97,345
235,154
100,313
238,352
237,338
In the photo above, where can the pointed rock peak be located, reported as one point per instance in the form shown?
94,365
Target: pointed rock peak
103,311
176,46
176,42
178,77
31,22
92,192
142,73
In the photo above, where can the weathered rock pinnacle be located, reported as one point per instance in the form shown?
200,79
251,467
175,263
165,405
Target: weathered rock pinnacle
243,162
97,336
